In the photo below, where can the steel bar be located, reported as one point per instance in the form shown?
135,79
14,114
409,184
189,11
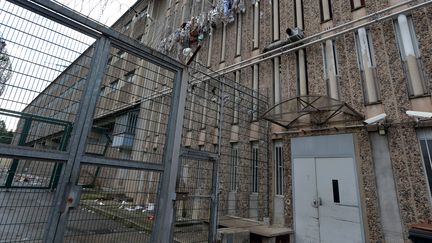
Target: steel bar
12,151
57,223
215,178
164,225
118,163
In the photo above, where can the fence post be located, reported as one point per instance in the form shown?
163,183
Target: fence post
69,177
164,224
214,208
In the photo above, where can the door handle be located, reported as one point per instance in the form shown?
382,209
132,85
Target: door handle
317,202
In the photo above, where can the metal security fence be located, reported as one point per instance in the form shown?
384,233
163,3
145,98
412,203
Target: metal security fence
90,130
112,207
194,199
224,174
105,140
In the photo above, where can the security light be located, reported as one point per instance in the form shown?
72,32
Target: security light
375,119
419,114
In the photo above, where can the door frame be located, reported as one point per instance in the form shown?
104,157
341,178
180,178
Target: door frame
335,153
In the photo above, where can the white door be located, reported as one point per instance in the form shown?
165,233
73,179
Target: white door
326,203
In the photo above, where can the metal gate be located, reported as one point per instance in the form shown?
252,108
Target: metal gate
222,178
93,147
91,124
194,199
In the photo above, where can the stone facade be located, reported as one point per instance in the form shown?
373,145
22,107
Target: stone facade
409,175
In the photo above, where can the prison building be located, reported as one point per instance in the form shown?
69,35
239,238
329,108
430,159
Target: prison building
329,176
303,104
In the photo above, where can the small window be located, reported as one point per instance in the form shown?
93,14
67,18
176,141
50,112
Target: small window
255,90
103,91
204,106
110,60
356,4
128,25
410,55
276,81
298,17
126,123
330,68
255,23
279,167
143,13
425,139
369,48
239,34
413,38
302,77
114,85
223,44
234,167
254,166
335,186
364,47
121,54
275,22
210,47
326,10
237,99
129,77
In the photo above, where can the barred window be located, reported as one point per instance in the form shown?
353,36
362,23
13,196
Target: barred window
425,140
234,167
279,168
255,167
326,10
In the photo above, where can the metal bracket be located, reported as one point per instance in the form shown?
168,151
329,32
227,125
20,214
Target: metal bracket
73,197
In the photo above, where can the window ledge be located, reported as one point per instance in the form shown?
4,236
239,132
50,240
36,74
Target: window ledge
373,103
357,8
412,97
325,21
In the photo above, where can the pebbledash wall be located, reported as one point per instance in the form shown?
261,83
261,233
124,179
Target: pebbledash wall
404,165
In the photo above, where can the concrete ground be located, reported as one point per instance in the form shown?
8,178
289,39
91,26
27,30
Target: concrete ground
24,215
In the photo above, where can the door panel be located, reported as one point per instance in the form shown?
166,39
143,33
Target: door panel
339,214
335,215
306,216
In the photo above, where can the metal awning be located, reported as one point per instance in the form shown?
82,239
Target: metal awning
311,110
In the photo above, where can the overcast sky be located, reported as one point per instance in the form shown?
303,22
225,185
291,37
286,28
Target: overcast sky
41,49
104,11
